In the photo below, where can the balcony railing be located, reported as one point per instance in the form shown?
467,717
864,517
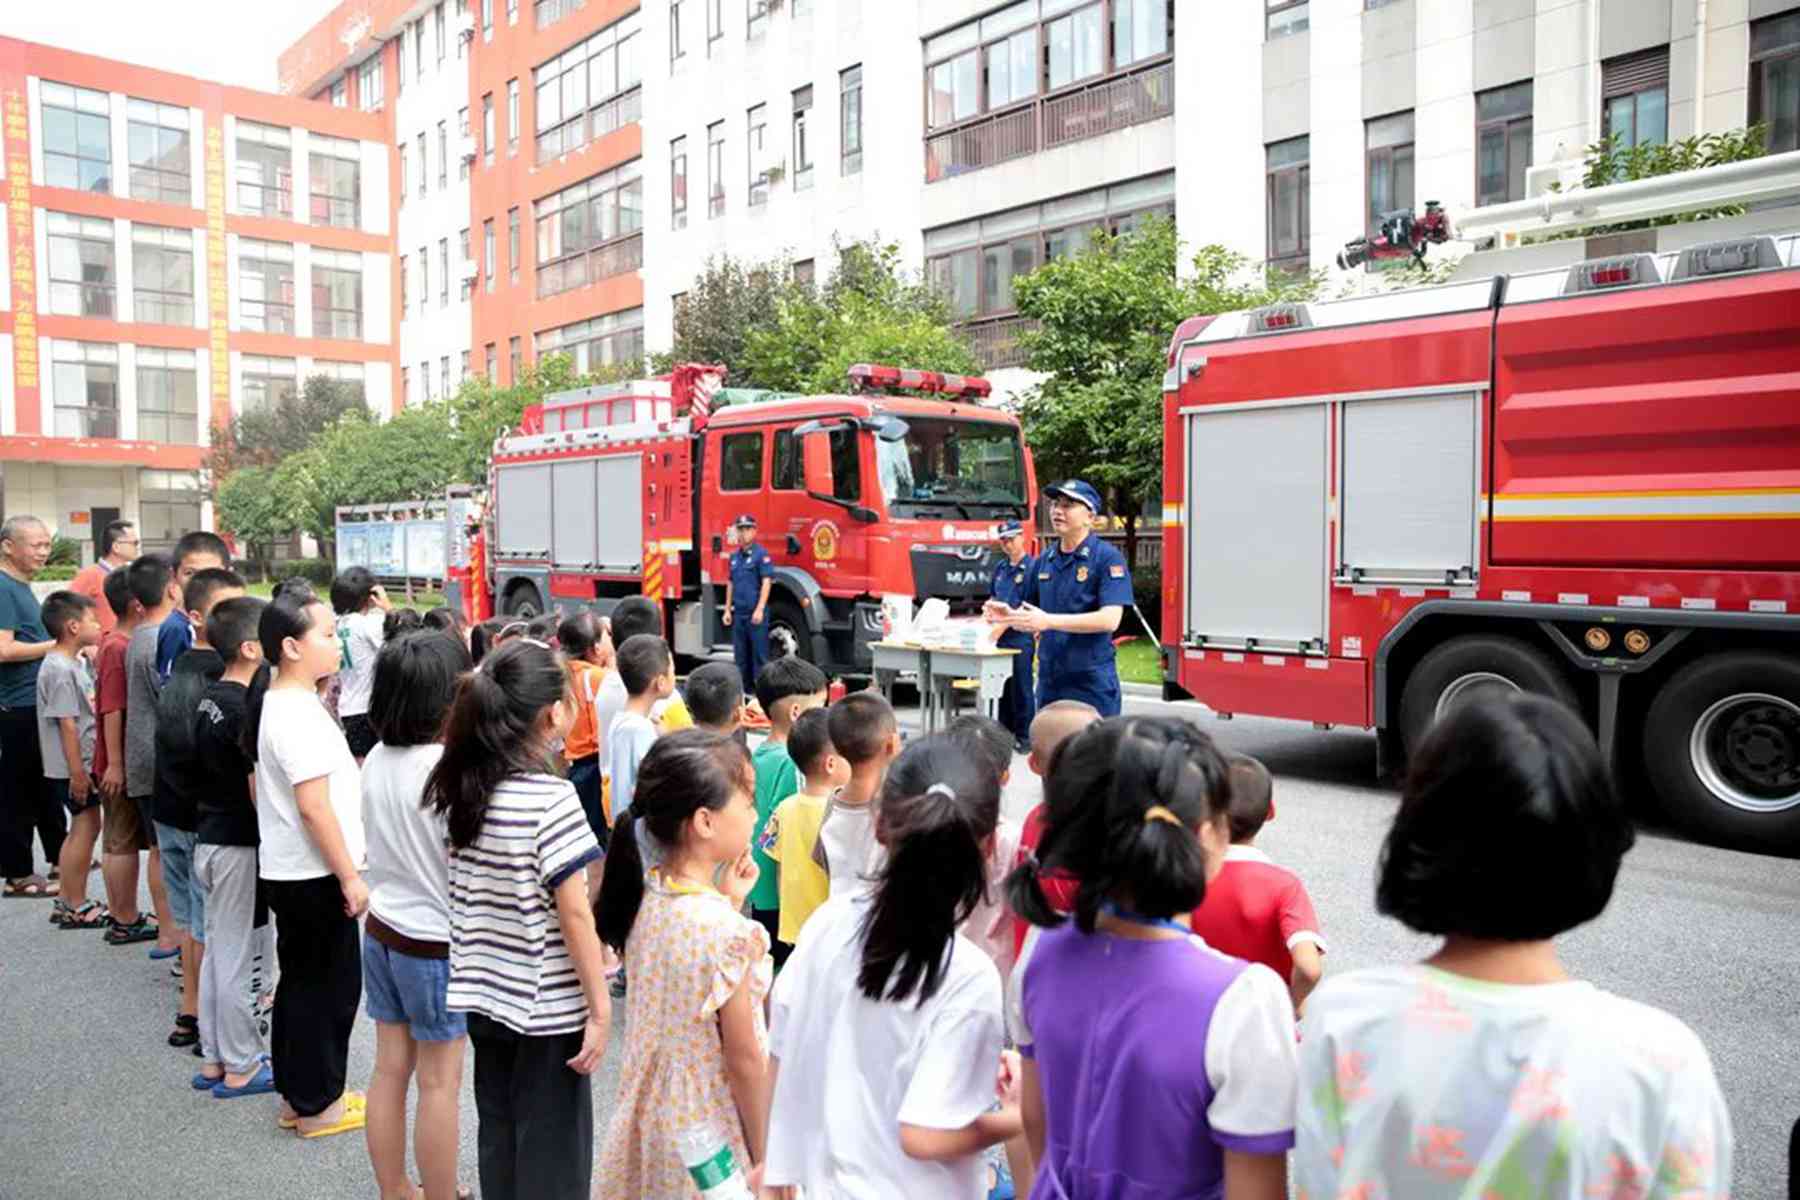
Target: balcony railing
598,121
996,340
1100,107
578,270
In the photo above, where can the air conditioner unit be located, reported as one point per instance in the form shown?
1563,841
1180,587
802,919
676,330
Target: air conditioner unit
465,25
470,273
468,148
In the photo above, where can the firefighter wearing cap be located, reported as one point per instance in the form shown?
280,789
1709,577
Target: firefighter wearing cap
1019,703
1074,601
746,602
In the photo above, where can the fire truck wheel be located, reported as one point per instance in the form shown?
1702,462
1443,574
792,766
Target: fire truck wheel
1722,746
1467,666
788,633
523,601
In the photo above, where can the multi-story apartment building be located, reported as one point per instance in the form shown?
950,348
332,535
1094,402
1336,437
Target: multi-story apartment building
177,251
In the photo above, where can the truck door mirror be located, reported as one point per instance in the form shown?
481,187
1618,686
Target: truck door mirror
815,458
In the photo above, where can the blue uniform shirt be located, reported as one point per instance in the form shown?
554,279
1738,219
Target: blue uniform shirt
1084,580
750,565
1008,586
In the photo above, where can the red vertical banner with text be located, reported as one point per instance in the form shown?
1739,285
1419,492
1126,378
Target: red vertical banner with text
21,261
217,297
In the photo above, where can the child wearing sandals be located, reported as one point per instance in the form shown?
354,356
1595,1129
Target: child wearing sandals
309,816
65,712
525,963
406,938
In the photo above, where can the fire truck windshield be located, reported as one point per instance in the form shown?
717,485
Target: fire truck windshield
971,469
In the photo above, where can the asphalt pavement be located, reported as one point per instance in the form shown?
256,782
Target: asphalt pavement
94,1104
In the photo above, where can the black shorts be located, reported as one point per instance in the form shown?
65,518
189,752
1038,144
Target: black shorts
59,789
360,734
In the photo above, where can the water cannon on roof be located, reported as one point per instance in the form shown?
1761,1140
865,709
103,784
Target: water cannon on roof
1399,235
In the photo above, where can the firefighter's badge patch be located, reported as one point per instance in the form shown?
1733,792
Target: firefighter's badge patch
1081,574
1118,570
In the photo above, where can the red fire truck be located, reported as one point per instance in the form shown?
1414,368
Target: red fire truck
1572,475
893,487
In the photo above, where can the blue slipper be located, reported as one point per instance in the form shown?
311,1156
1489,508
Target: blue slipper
260,1085
203,1084
159,952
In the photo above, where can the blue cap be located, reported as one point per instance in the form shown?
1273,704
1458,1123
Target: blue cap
1009,529
1078,490
745,520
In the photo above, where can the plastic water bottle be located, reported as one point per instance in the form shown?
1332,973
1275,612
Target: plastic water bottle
706,1153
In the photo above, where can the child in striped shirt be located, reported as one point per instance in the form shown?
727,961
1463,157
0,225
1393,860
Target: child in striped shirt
525,962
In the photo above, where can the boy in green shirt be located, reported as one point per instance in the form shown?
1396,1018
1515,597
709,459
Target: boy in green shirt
785,688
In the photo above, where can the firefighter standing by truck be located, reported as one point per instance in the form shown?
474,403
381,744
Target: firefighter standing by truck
1074,601
1018,705
747,602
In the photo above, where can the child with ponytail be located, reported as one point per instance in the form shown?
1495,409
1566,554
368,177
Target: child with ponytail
309,818
1195,1093
525,964
695,1045
885,1027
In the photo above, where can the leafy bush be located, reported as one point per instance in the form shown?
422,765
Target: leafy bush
317,571
1146,589
56,573
64,552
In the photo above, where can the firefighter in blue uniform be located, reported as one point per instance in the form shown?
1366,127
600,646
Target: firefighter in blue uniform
1019,703
1074,601
747,602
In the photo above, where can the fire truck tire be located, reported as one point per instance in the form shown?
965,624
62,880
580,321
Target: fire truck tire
523,601
1722,749
1464,666
788,632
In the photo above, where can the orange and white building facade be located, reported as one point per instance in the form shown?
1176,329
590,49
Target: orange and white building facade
177,251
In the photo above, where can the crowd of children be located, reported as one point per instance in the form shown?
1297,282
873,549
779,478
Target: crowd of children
842,969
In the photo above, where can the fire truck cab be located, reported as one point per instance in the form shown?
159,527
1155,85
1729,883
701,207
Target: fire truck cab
1567,474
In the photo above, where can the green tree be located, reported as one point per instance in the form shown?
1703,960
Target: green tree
728,301
268,435
250,506
1105,316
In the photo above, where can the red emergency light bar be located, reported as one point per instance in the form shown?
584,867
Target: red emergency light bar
872,375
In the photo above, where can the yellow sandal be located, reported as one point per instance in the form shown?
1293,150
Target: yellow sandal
356,1116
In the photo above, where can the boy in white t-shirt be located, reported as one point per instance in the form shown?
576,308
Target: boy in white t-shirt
648,670
865,733
361,607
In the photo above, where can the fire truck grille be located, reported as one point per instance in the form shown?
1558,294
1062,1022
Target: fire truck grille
953,572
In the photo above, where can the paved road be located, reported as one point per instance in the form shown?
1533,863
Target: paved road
94,1104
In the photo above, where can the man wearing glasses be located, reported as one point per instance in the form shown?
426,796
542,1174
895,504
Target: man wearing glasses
118,546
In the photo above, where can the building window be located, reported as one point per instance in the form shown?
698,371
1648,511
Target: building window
439,30
168,507
462,128
405,286
368,84
715,169
512,244
804,272
1775,79
756,18
1075,46
465,366
162,266
348,375
84,389
405,386
340,92
602,342
1634,91
77,132
678,171
803,159
548,12
418,32
589,231
490,363
1282,17
425,379
267,383
424,279
83,272
487,130
468,286
850,123
265,170
1140,31
677,42
487,19
1289,190
740,462
443,155
337,289
336,182
168,391
487,255
1388,149
589,90
405,174
156,139
424,168
1502,144
444,376
515,358
756,128
444,272
715,23
266,286
512,117
512,12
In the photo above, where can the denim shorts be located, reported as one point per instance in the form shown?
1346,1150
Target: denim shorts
187,902
403,989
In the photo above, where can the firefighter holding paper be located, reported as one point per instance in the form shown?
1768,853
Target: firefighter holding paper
1018,705
1073,601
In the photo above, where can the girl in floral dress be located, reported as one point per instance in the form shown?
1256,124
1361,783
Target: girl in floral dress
696,1046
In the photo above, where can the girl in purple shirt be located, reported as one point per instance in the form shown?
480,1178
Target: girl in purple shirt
1154,1066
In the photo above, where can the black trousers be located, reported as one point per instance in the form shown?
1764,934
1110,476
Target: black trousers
534,1116
26,802
320,952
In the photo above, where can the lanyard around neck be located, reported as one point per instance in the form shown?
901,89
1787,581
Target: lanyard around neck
1131,918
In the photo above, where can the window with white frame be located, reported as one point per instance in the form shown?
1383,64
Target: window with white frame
444,376
168,507
678,12
168,396
468,287
512,117
715,24
265,170
589,90
512,244
1284,17
266,286
336,169
715,169
266,383
77,137
462,128
347,375
575,226
443,155
756,18
418,38
424,167
602,342
678,177
803,155
368,84
444,272
156,143
83,271
487,130
424,279
84,389
405,174
337,293
850,122
487,255
162,265
756,152
438,28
